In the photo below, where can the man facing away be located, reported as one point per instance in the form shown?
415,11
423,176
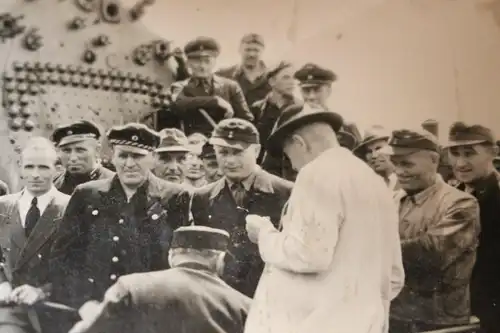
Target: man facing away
189,297
336,264
27,222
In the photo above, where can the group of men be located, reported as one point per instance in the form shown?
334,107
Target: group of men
273,218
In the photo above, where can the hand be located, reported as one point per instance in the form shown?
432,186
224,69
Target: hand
27,295
222,103
90,309
254,224
5,291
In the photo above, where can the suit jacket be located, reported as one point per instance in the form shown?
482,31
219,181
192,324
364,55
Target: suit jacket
187,98
187,298
213,205
66,183
102,236
26,259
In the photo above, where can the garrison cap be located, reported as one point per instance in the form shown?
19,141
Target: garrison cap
372,134
202,47
172,140
74,132
409,141
313,75
200,238
273,71
207,151
134,135
297,116
462,134
253,38
235,133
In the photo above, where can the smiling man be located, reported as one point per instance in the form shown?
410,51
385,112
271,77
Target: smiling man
79,149
244,188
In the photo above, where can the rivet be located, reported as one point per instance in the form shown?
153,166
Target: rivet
26,112
144,89
65,79
86,81
10,86
43,78
32,77
8,77
106,84
102,73
75,81
38,66
34,89
17,66
54,78
50,67
21,76
28,66
14,110
29,125
71,69
93,72
60,68
125,86
22,87
23,100
96,83
135,87
116,86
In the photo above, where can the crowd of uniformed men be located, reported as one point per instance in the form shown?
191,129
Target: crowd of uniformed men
177,202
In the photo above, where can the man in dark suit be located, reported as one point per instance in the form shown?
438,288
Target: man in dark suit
120,225
189,297
27,223
79,149
219,97
244,188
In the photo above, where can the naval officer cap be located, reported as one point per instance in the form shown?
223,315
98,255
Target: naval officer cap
200,238
235,133
202,47
173,140
75,132
461,134
314,75
253,38
137,137
207,151
408,141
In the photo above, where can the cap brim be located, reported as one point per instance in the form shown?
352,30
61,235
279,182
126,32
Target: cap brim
275,141
133,150
363,144
236,144
450,144
177,149
202,54
398,151
347,140
67,140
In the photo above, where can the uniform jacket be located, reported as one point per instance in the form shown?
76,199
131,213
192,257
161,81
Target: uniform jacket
336,264
439,230
188,97
26,260
485,282
66,183
188,298
102,237
214,206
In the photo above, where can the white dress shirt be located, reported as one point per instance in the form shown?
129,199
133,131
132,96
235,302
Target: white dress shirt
24,203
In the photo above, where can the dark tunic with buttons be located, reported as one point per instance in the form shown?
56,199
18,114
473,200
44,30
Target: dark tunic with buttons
214,206
66,182
102,236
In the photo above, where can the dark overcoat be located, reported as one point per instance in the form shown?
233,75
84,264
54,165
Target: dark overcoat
187,298
25,260
66,183
214,206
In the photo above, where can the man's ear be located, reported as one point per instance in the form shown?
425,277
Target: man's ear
298,141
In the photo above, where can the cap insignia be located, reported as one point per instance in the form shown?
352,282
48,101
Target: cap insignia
201,48
310,77
230,135
135,138
69,132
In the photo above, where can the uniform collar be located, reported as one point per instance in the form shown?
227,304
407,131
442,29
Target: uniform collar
258,180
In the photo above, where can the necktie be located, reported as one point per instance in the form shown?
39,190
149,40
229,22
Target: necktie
32,217
239,193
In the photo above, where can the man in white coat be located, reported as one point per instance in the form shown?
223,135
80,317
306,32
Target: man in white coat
336,264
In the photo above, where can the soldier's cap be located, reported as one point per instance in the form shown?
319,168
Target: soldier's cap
408,141
207,151
461,134
348,136
75,132
372,134
235,133
138,137
200,238
314,75
276,69
253,38
172,140
202,47
295,117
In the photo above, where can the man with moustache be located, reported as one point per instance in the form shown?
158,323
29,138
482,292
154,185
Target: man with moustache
117,226
251,73
335,264
219,97
244,188
79,150
439,227
471,151
375,139
27,223
170,156
212,170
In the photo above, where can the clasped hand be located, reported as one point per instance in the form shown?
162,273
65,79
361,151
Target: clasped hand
22,295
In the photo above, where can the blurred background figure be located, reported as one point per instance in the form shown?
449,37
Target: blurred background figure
194,170
315,84
170,156
212,170
349,136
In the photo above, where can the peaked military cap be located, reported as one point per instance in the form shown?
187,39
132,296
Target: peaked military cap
462,134
200,238
297,116
134,135
274,70
202,47
235,133
348,136
312,75
372,134
173,140
74,132
253,38
207,151
409,141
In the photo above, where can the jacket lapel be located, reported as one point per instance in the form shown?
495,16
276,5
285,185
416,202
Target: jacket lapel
16,230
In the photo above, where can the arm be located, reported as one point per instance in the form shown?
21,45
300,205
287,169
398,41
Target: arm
311,226
239,103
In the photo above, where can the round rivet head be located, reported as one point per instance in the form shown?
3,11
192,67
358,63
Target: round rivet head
54,77
50,67
95,212
21,76
14,110
125,86
86,81
102,73
10,86
18,66
106,84
65,79
93,72
135,87
8,77
12,98
71,69
34,89
29,125
154,217
22,87
32,77
23,100
26,112
60,68
38,66
43,78
116,86
96,83
75,81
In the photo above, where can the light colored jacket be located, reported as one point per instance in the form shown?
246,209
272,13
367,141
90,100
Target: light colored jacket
337,264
